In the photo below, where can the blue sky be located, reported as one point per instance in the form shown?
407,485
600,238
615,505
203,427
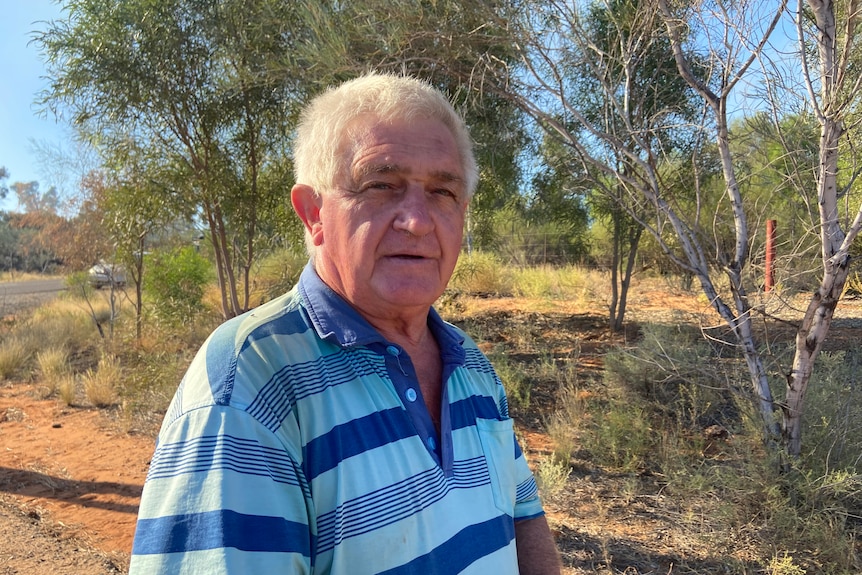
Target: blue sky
22,70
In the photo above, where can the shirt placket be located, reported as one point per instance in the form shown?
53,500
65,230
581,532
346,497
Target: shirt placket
406,383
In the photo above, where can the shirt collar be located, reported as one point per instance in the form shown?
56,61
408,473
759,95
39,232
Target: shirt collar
336,321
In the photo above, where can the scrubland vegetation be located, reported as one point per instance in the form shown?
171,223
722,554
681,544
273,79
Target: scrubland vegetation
648,428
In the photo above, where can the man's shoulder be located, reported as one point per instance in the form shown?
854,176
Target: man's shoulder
241,358
283,314
255,337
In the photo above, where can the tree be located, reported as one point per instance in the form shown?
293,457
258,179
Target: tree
188,80
827,72
559,199
4,175
634,134
35,239
600,80
85,240
32,200
132,208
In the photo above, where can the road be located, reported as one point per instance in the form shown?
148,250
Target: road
21,294
32,287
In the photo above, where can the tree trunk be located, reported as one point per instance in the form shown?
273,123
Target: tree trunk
818,316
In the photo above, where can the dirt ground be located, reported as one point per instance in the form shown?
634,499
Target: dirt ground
70,485
70,479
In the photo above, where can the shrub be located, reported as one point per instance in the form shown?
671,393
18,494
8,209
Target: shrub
514,378
833,415
176,282
674,368
481,273
551,478
276,274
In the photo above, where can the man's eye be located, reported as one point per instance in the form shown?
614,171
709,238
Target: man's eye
378,186
445,192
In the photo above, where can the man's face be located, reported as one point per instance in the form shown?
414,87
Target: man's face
389,235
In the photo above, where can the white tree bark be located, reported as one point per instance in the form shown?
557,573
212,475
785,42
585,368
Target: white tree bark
832,104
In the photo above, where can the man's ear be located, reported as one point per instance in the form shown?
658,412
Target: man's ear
307,205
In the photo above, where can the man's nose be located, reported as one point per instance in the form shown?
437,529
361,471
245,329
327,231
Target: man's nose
414,212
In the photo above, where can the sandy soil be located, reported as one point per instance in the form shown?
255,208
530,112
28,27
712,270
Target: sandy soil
70,486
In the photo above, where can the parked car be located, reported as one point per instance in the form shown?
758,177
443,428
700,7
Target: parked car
104,274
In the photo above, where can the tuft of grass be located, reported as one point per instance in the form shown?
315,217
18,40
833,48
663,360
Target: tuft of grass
572,283
53,365
481,273
67,389
100,384
53,362
67,323
14,355
567,423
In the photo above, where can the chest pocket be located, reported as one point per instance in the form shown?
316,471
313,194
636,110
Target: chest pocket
498,444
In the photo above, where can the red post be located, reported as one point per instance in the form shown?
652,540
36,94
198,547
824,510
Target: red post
770,255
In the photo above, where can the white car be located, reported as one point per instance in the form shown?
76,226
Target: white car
104,274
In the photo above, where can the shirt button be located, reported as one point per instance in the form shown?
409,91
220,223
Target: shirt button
392,350
411,395
432,444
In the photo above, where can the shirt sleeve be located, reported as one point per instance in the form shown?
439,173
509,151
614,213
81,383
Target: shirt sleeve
527,502
223,495
528,505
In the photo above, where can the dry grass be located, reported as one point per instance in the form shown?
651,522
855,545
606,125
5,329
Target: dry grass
100,384
54,366
67,389
67,323
14,355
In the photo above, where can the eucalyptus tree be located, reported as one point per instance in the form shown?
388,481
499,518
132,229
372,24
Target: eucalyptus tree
826,81
558,200
31,199
600,79
136,205
4,175
190,80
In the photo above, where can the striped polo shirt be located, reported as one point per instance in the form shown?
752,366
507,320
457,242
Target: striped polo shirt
299,442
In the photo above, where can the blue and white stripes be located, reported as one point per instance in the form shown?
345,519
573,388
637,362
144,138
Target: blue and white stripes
287,452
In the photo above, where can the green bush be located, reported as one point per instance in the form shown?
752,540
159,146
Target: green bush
675,369
833,414
175,282
481,273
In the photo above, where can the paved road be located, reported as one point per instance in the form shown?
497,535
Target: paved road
19,295
32,286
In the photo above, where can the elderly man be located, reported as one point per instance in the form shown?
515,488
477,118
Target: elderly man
344,428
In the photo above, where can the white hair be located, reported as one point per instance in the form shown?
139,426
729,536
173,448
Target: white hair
325,122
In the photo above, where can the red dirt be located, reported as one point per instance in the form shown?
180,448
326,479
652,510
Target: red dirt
70,466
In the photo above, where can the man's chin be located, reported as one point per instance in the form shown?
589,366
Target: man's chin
409,294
